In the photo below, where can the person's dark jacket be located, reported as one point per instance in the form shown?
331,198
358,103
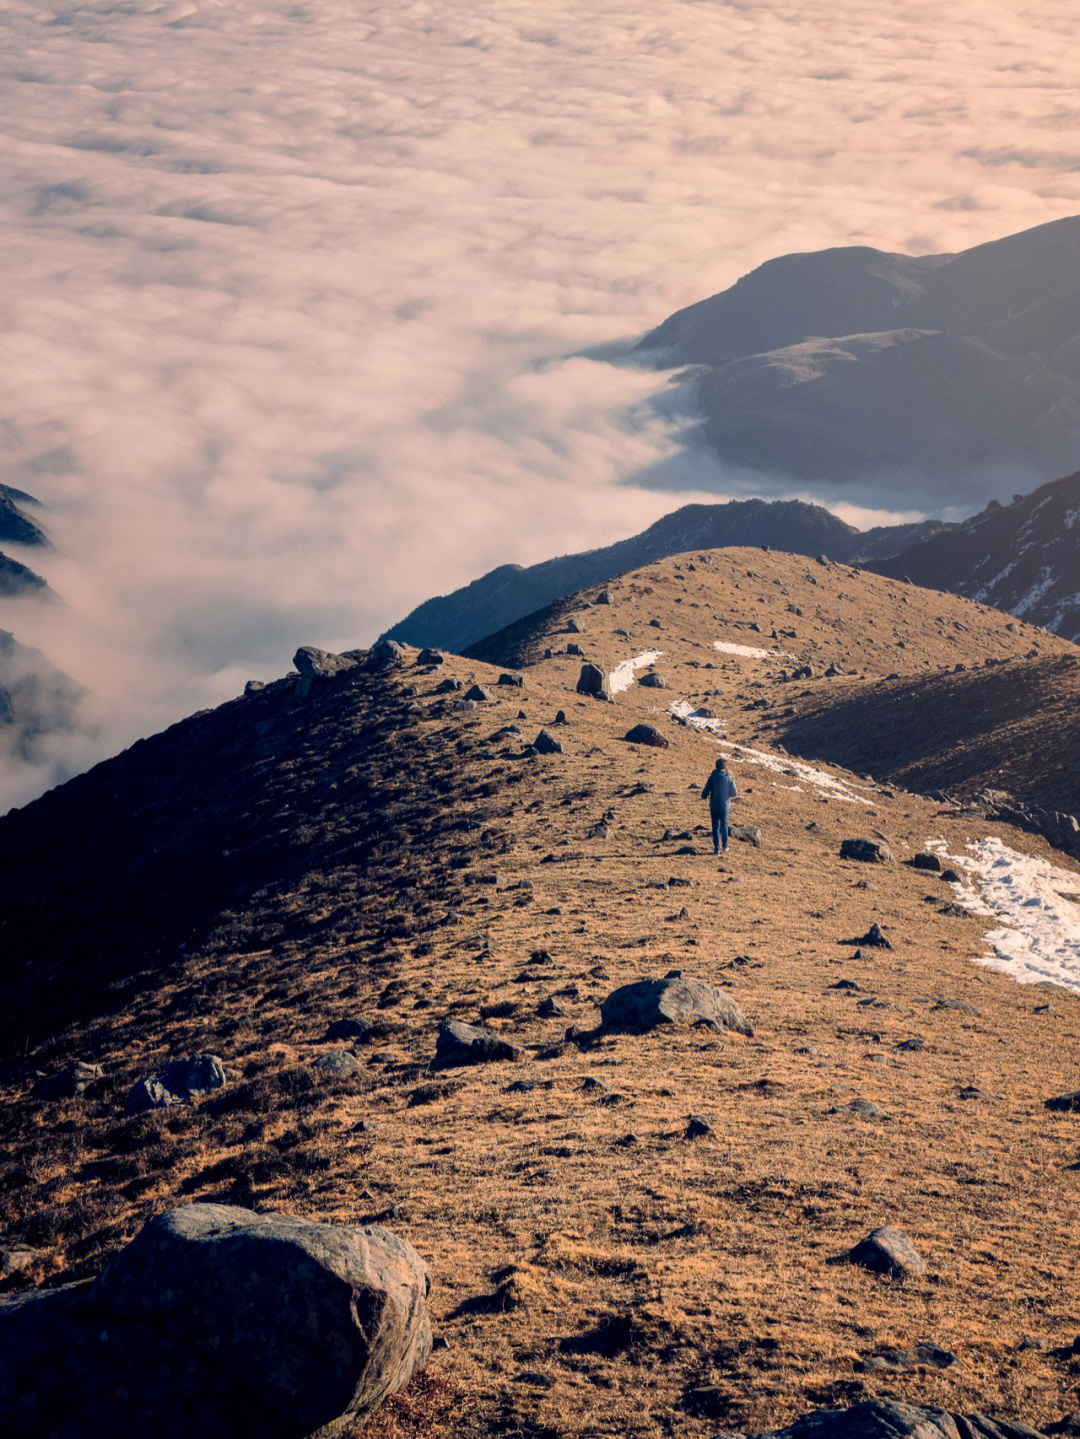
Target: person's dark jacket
720,789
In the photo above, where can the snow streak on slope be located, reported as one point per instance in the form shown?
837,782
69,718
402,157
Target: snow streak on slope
1038,904
622,676
749,652
830,786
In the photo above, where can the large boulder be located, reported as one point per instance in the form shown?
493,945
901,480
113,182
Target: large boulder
386,655
1065,1103
460,1043
890,1419
315,664
178,1082
648,1003
593,681
220,1323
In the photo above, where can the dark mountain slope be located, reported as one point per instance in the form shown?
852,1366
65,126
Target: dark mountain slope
1023,558
907,374
509,593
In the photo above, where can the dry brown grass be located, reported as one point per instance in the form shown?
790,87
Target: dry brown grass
594,1271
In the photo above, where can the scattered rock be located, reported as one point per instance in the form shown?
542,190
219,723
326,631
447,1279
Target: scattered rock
873,938
574,649
560,717
926,1353
430,657
593,681
349,1029
74,1080
747,833
887,1251
551,1008
1065,1103
546,744
180,1081
516,680
697,1127
653,681
386,655
648,1003
253,687
575,626
478,693
959,1005
220,1322
926,861
337,1063
970,1091
448,685
17,1259
460,1043
605,597
654,624
870,851
950,876
646,734
861,1109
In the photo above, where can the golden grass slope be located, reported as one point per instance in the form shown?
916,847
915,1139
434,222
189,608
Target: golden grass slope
594,1271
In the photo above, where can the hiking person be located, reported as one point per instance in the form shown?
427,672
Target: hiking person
720,790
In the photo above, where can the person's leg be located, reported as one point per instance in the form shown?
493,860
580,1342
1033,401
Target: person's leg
723,826
716,833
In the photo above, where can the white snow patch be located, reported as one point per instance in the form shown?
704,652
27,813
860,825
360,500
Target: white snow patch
1035,594
818,779
622,676
749,652
1038,906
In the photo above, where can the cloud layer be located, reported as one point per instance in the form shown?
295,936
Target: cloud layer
296,293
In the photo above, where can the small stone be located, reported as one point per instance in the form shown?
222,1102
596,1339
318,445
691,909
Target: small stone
575,626
698,1127
551,1008
430,657
348,1029
888,1251
17,1259
546,744
925,860
516,680
653,681
1065,1103
646,734
560,717
870,851
479,694
459,1043
337,1063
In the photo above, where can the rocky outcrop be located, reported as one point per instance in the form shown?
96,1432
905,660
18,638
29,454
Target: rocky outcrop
1057,828
315,664
218,1322
649,1003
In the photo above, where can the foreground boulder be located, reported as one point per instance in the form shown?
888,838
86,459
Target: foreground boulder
1065,1103
648,1003
218,1322
889,1419
386,655
460,1043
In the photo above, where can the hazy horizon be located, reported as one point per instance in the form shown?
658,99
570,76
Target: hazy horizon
300,299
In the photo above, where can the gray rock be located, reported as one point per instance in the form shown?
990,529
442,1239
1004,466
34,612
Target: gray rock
860,1109
448,685
430,657
180,1081
71,1081
574,649
605,597
871,851
545,744
337,1064
17,1259
891,1419
960,1006
647,734
927,861
478,693
220,1323
315,664
747,833
1065,1103
552,1008
648,1003
653,681
349,1029
654,624
460,1043
387,655
926,1353
697,1127
560,718
575,626
253,687
593,681
887,1251
873,938
515,680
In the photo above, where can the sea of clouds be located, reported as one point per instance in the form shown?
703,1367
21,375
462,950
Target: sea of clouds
308,307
